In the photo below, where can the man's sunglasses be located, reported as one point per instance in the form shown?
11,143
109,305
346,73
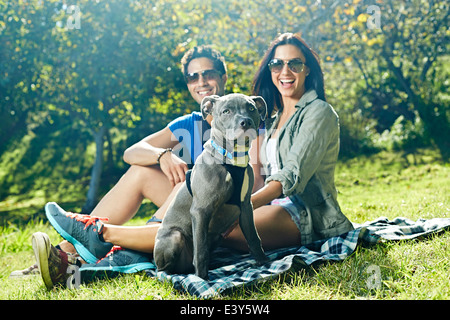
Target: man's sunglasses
210,74
295,65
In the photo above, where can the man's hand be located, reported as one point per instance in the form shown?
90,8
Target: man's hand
173,167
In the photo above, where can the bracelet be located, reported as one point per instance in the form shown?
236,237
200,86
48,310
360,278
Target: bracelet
162,153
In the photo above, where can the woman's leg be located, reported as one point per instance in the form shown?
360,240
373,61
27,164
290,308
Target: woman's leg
274,225
275,228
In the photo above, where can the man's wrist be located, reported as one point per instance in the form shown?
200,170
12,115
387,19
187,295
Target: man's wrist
163,153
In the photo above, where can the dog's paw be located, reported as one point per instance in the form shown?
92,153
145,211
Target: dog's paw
262,260
203,275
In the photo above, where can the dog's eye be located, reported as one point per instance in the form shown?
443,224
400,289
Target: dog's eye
251,108
226,111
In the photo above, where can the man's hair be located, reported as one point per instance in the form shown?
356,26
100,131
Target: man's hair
204,52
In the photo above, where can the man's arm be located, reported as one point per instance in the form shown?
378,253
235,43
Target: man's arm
147,151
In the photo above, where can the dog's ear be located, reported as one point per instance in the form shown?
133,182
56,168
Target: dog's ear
261,106
207,105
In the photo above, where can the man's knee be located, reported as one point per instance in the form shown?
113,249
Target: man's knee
144,173
151,182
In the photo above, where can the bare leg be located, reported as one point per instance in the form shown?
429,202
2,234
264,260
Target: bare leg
121,203
160,213
274,225
139,238
275,228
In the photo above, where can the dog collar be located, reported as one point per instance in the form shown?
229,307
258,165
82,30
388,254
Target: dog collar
237,157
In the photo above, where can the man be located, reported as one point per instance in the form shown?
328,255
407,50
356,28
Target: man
156,173
156,170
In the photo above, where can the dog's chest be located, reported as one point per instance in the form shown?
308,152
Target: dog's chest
239,178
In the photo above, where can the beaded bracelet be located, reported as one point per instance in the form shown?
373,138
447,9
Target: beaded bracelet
162,153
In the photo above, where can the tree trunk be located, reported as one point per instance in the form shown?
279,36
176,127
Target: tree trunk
437,126
433,116
91,197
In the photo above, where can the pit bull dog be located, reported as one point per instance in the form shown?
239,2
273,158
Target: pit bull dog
216,192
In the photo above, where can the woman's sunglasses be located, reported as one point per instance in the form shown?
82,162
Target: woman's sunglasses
210,74
295,65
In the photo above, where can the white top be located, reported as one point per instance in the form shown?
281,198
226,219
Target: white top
271,154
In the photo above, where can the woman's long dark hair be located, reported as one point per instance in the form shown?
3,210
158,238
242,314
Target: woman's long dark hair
262,82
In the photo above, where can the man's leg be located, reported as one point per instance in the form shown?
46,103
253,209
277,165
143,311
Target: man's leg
121,203
139,238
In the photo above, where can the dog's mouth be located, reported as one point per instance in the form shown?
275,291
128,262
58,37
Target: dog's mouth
241,136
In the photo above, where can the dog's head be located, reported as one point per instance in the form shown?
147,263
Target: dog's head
236,115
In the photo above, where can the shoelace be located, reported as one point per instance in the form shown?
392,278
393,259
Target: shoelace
86,219
113,249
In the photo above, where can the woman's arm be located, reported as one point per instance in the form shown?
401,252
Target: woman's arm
262,194
266,194
315,143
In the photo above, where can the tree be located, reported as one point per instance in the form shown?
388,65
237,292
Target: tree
23,70
398,48
113,68
85,75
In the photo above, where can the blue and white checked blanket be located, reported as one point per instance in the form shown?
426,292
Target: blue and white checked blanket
229,269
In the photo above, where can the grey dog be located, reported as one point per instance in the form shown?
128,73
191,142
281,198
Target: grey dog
216,192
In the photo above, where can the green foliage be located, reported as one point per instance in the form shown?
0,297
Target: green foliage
403,135
398,53
111,70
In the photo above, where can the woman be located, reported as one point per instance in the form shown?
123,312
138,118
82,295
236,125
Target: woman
298,153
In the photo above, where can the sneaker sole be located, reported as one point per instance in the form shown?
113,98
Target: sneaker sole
81,249
26,273
40,243
132,268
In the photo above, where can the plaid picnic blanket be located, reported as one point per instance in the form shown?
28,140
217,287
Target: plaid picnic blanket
229,269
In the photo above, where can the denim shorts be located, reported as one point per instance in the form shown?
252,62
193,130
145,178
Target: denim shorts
293,210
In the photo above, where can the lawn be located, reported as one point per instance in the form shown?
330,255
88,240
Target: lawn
383,184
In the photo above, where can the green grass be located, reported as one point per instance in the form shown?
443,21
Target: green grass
369,187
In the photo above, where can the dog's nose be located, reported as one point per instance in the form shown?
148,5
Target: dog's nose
245,123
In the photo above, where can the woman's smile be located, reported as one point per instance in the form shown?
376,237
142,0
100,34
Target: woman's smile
291,85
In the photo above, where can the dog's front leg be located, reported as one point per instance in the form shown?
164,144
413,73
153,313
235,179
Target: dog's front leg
248,228
200,226
247,223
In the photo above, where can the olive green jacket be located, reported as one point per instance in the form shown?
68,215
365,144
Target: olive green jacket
308,148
